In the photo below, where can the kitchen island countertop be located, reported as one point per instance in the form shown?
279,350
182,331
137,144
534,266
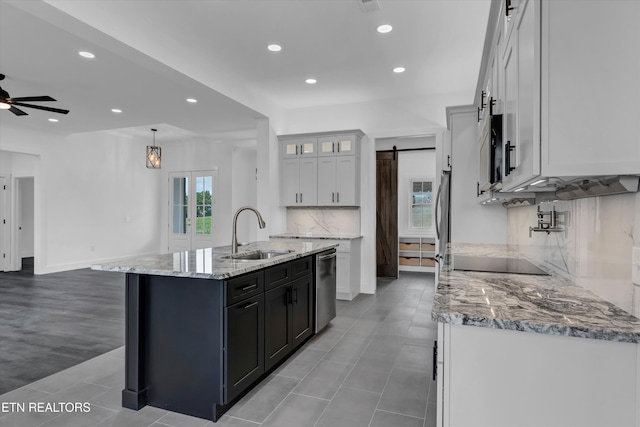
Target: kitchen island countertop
531,303
209,263
316,236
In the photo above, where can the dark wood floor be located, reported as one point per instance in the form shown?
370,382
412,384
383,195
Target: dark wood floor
54,321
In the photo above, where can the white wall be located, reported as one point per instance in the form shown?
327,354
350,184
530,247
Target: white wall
85,187
245,192
101,202
194,155
268,161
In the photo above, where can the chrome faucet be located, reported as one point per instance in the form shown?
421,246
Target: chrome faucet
234,238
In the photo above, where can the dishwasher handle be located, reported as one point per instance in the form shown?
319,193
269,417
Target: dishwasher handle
329,256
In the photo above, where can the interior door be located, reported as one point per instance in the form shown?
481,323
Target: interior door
191,210
386,214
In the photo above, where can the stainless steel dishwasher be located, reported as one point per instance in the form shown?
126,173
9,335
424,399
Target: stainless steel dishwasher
325,288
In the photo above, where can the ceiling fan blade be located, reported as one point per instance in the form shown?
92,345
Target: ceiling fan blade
17,111
40,107
31,99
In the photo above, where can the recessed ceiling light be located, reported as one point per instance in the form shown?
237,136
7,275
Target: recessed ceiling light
192,100
398,70
385,28
85,54
311,81
116,110
53,120
274,47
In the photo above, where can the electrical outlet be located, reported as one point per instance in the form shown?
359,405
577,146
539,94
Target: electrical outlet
635,265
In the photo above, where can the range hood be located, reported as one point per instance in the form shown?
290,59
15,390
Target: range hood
599,187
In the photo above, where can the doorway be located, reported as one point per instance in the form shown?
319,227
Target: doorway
386,214
191,209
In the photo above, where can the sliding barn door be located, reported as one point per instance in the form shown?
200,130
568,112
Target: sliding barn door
386,214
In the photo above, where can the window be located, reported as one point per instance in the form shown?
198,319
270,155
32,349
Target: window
421,199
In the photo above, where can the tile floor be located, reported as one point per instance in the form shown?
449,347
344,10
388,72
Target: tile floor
370,367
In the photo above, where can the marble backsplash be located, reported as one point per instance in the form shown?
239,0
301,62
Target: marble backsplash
338,221
594,251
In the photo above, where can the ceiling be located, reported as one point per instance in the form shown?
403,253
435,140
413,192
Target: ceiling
153,54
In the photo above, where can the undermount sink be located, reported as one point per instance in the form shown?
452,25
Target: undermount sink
255,255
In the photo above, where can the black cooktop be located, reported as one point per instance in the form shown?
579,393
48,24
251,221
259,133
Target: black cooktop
496,265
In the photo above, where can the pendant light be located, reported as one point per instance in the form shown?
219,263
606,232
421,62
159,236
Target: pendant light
154,154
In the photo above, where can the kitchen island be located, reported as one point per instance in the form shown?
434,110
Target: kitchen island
531,350
203,327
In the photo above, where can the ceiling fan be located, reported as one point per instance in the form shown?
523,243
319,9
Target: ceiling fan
8,103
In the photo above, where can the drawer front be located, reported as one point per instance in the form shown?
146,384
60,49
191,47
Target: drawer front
409,246
301,267
415,261
243,287
277,275
285,273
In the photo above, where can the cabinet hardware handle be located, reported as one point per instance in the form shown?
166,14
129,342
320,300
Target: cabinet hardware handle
296,149
478,114
435,360
482,103
333,197
296,197
338,197
492,102
300,197
449,161
295,295
333,147
338,146
507,160
246,288
478,191
252,304
508,9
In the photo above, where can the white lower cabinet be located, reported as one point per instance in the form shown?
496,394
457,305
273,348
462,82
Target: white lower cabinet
347,266
347,269
504,378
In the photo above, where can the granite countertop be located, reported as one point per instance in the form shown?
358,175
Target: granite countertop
314,236
208,263
542,304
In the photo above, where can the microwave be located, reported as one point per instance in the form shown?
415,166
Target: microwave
490,174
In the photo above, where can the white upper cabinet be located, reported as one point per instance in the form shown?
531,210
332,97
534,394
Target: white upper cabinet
568,87
336,170
304,147
299,181
341,145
